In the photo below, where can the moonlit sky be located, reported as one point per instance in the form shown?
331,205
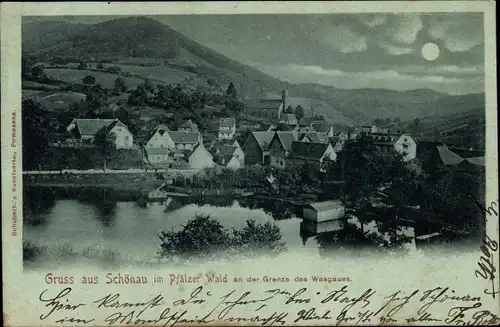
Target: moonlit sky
344,50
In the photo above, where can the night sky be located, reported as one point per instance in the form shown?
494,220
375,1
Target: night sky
345,50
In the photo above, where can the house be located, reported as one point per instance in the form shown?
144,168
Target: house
256,148
319,212
382,141
312,137
309,153
221,143
266,127
269,109
289,119
338,143
343,136
231,157
305,129
407,146
306,121
162,141
197,158
353,135
280,147
85,130
227,128
188,126
200,158
323,127
367,129
160,138
157,155
434,155
185,140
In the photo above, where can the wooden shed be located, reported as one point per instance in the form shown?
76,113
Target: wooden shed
324,211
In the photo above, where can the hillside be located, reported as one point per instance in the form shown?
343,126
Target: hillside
154,50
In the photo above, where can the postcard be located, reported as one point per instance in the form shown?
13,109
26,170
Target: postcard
249,163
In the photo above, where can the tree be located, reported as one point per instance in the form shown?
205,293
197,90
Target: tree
231,93
282,127
379,190
88,80
205,238
37,73
26,66
82,66
120,86
299,112
416,124
289,110
35,123
105,142
100,65
397,120
95,97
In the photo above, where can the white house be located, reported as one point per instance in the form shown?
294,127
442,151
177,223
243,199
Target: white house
185,140
160,138
407,146
231,157
227,128
289,119
157,155
85,130
200,158
319,212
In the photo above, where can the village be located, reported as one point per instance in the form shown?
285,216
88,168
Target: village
281,142
122,142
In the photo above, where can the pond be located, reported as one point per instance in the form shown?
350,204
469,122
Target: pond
88,223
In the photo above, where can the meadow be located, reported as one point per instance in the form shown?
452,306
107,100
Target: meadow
75,76
60,100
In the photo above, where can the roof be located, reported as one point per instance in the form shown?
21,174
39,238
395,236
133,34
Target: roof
266,127
321,126
286,139
156,151
189,124
478,161
226,154
448,157
227,122
305,129
326,205
263,138
184,137
308,150
288,117
92,126
227,150
306,121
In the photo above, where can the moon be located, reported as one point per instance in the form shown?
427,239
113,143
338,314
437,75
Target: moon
430,51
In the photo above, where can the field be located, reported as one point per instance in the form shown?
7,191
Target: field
31,94
165,74
75,76
60,100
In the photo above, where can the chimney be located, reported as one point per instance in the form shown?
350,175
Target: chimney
284,98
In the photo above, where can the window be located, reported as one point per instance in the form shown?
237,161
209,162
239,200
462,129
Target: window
126,138
161,145
119,129
405,139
